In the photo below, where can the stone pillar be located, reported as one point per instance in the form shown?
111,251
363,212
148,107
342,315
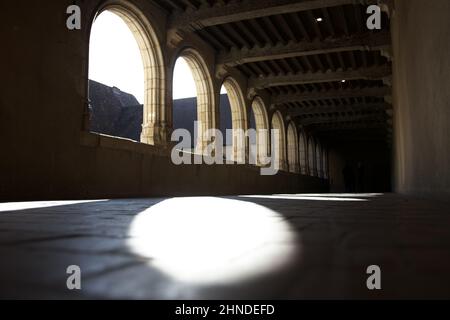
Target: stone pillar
155,133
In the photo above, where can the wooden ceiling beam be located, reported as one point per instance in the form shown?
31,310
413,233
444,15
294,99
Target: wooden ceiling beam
365,42
332,94
249,9
372,73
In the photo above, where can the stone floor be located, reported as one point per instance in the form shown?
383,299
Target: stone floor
257,247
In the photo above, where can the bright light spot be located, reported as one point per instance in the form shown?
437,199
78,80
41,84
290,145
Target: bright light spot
183,81
223,90
212,240
114,55
16,206
319,19
304,197
344,81
343,195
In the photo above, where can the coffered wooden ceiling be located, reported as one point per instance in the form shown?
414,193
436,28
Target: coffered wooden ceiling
317,59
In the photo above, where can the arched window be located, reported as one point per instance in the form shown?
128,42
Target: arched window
325,162
303,153
279,143
292,148
184,99
226,124
319,160
261,125
190,65
238,120
311,157
108,56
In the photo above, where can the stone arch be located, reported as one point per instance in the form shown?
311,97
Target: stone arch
303,154
154,126
311,157
292,148
279,134
262,130
205,95
238,118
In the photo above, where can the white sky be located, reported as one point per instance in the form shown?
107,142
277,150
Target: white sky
115,60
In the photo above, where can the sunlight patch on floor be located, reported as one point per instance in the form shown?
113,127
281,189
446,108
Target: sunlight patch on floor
212,240
306,197
17,206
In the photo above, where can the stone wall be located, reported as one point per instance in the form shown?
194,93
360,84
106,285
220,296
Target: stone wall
47,152
421,42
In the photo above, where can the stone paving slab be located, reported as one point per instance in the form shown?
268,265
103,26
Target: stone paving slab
304,246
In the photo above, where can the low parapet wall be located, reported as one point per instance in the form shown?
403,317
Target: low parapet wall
107,167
